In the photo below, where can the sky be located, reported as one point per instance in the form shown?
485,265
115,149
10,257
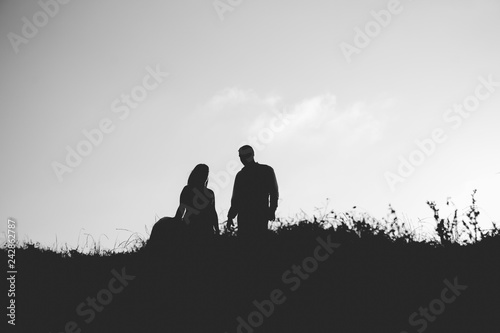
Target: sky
106,107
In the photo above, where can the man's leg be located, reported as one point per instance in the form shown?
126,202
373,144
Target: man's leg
261,225
252,224
243,224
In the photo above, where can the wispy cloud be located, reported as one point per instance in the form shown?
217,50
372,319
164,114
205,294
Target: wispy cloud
315,120
230,96
320,119
233,97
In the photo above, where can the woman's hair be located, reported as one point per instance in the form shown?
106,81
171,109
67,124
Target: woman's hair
198,176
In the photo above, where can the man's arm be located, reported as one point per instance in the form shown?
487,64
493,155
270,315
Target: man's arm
273,192
235,199
235,202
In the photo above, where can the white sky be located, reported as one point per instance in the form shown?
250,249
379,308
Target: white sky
349,121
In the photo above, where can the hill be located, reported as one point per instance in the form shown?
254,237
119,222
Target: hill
312,276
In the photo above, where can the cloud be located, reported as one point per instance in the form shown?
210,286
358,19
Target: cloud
313,122
238,111
319,119
230,98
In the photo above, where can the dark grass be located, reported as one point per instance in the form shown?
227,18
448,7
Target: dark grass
373,282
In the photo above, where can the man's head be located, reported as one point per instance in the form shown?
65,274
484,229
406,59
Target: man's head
246,155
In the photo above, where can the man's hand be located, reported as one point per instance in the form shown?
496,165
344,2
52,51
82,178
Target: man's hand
230,224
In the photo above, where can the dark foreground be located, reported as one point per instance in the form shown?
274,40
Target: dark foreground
304,279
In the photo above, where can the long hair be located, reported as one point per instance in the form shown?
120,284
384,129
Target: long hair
199,176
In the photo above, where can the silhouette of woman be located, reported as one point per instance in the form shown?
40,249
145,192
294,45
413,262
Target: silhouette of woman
197,204
196,216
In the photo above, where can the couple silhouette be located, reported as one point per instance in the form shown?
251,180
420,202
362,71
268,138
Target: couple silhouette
254,202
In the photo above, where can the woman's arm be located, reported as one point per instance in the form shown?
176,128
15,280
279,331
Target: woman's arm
179,213
182,205
213,214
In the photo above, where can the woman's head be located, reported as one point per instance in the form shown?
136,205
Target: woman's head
199,176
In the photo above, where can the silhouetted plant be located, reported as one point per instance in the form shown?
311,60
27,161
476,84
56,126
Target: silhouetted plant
461,231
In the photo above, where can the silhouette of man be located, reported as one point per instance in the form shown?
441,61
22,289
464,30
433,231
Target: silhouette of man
255,195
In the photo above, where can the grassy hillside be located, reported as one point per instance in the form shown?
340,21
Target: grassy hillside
348,274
